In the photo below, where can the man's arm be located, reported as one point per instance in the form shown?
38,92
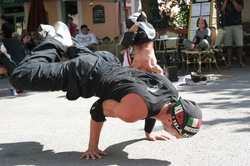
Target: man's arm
94,42
224,5
129,35
237,6
96,123
151,136
95,131
124,110
128,39
93,150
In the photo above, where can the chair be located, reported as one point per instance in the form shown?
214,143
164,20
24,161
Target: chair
107,47
112,48
189,58
200,57
208,56
118,49
172,47
106,40
217,48
116,40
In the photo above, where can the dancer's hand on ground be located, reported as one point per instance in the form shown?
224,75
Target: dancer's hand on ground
93,153
155,136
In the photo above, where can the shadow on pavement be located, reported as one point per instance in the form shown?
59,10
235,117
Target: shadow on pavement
240,121
31,153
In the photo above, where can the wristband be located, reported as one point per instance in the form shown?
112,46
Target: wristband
149,125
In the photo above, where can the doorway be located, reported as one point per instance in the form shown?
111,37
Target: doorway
72,11
15,16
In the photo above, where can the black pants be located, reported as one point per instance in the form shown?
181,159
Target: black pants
42,70
7,63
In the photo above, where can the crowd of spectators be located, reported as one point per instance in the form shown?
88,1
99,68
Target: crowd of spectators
14,47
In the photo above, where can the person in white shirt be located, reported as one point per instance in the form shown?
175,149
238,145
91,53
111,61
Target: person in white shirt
87,39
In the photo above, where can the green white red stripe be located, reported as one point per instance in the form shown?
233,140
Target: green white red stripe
178,108
193,122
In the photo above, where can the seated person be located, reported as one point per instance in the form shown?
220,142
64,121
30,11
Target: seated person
140,35
87,39
202,37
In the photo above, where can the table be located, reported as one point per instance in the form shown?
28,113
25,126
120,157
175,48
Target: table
173,45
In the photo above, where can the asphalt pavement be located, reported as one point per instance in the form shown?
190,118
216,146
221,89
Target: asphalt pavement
45,129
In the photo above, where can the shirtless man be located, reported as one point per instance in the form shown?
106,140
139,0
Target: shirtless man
140,35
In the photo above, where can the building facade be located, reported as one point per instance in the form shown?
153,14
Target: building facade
103,17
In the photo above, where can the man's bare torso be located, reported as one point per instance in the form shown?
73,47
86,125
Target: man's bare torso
144,58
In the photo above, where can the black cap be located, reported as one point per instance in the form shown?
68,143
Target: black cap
84,26
187,117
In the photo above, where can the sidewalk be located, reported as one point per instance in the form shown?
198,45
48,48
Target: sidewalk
44,128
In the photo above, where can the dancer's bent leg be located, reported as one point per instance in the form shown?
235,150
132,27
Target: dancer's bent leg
43,70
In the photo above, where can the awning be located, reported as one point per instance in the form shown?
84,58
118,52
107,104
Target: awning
13,1
37,15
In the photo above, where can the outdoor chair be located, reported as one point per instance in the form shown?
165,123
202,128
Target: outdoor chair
107,47
106,40
199,57
116,40
118,49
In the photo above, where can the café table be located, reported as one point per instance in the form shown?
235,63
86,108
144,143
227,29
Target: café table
164,40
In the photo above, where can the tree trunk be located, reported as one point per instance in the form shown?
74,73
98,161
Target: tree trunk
150,7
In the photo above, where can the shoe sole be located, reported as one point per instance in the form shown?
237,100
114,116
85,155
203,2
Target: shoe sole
62,30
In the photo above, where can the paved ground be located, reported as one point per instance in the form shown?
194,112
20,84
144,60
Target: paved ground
46,129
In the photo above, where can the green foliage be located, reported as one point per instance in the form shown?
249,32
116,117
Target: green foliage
183,15
155,17
169,18
218,4
150,7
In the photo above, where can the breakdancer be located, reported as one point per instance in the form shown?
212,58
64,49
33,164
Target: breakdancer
125,93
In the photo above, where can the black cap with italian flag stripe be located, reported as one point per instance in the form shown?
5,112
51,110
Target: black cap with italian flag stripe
187,117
